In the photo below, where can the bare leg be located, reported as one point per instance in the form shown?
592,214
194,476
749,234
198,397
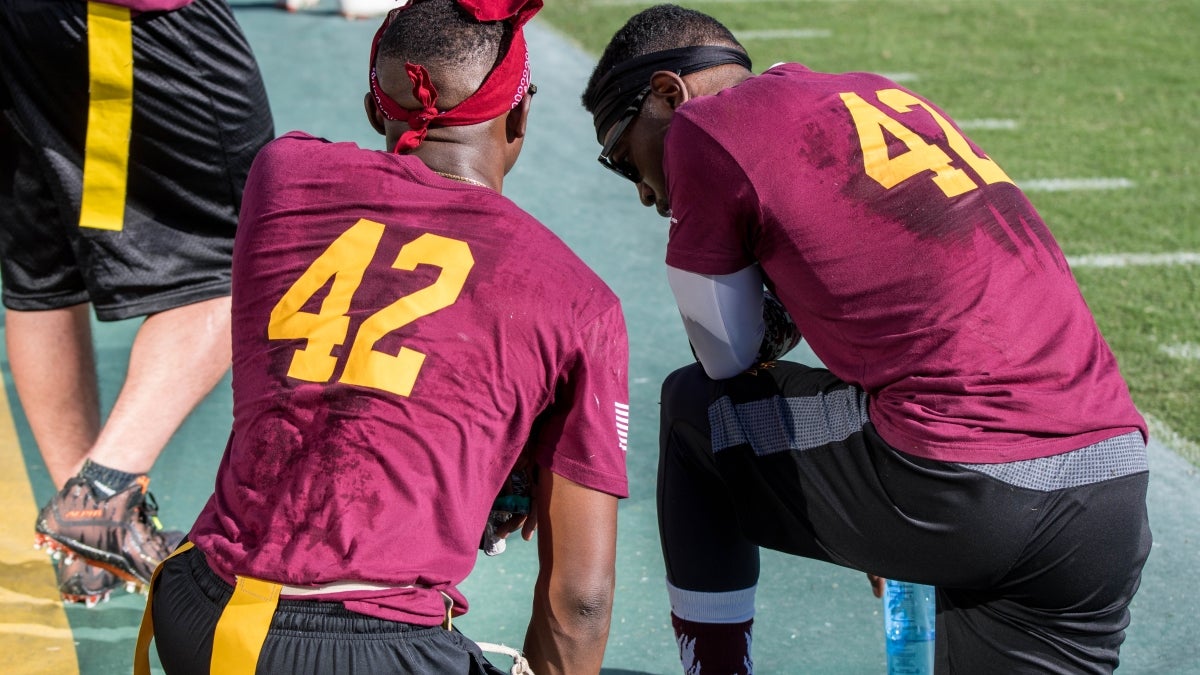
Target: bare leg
54,371
176,359
178,356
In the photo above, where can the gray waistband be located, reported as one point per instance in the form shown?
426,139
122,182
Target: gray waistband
778,424
1108,459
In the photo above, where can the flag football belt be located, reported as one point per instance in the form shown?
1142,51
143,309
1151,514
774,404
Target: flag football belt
244,622
110,116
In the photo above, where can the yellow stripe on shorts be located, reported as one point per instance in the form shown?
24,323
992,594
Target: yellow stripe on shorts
241,629
110,116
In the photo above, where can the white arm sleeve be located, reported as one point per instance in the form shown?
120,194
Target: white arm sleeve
723,317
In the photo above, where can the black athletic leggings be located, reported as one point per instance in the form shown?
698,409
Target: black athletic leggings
1035,562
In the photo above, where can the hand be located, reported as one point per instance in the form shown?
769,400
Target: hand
876,584
530,524
525,522
781,335
511,510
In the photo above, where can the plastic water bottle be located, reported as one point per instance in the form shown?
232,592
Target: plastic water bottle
909,614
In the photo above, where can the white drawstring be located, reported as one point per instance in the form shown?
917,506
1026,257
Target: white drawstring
520,664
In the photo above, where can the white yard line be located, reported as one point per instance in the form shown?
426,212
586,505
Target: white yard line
1188,351
1134,259
1003,125
1074,184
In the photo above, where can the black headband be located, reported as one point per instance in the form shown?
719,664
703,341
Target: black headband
619,86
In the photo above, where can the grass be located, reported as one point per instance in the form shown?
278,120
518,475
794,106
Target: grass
1098,89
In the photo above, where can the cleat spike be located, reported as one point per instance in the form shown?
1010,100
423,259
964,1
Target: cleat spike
83,583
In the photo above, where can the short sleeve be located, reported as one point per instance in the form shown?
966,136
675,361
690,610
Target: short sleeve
714,207
583,434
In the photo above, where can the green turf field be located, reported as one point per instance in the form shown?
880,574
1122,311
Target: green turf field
1102,90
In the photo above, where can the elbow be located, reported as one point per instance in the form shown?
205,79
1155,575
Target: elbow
583,611
587,611
568,632
593,611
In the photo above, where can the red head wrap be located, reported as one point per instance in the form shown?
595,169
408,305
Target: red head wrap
500,92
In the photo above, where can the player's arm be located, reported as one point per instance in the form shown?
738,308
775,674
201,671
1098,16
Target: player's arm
723,317
572,600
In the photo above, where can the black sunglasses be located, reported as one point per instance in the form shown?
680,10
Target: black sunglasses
623,168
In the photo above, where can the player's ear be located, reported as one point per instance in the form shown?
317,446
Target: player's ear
670,87
374,114
518,118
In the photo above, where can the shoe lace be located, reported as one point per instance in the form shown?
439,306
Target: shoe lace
148,510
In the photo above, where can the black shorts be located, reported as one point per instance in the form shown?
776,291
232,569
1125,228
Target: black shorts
306,636
200,115
1035,562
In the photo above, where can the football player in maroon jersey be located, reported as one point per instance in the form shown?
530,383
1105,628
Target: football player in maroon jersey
405,337
969,429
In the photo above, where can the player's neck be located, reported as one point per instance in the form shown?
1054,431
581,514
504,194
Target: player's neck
463,159
464,173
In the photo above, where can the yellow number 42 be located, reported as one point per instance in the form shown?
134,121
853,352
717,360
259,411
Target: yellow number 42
920,156
345,261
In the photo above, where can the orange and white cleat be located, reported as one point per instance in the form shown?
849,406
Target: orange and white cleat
119,532
79,582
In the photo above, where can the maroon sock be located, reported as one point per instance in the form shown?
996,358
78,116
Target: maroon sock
713,648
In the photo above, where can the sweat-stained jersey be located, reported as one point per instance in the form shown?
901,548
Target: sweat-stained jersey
399,339
912,264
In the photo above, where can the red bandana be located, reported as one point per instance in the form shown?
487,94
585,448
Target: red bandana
500,92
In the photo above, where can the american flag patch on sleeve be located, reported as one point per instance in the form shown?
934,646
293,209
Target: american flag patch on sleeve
622,425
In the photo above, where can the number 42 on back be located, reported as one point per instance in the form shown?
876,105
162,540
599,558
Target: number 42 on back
345,261
889,171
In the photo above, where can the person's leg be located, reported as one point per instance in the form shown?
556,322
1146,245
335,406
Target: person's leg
51,358
48,338
54,372
787,458
769,459
178,356
105,514
1063,605
712,570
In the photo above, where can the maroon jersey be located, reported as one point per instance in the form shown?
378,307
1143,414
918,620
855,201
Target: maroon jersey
399,340
912,264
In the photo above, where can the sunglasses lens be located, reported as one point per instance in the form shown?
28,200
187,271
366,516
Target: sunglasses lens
628,170
623,168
